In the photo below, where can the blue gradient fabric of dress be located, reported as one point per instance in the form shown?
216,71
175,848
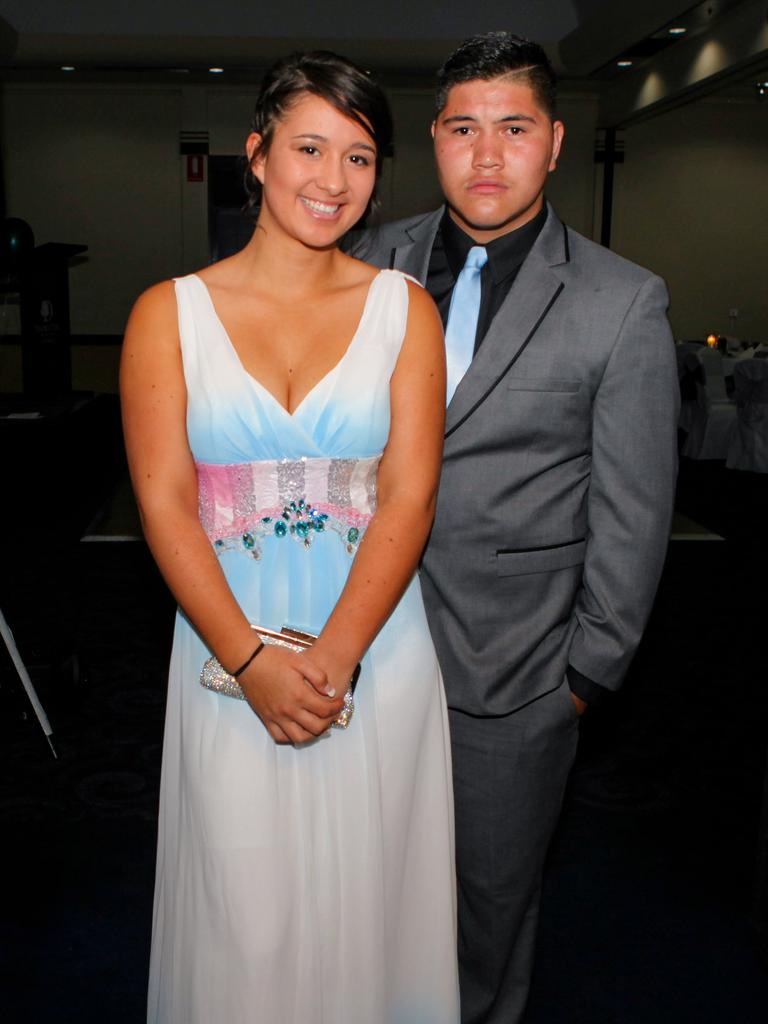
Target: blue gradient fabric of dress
311,884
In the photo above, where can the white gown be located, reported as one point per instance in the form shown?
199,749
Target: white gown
310,885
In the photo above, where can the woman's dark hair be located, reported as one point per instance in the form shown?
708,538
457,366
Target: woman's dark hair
493,55
333,78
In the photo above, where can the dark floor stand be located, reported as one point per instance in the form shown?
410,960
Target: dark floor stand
26,682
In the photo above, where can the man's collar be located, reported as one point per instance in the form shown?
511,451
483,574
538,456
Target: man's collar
505,253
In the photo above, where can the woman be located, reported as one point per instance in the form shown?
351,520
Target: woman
304,875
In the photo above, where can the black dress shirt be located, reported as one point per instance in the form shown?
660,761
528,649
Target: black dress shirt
506,255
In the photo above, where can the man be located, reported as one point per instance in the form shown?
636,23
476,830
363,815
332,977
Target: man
556,494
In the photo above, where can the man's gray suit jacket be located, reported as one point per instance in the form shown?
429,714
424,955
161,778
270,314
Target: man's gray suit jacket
556,493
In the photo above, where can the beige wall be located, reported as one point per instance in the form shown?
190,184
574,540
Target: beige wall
571,187
691,202
100,165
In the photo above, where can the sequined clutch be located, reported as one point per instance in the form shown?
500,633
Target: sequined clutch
215,677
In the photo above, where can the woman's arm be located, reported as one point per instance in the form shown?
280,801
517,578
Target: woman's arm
406,492
154,402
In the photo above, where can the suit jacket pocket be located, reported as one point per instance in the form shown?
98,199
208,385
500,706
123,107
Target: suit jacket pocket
520,563
543,384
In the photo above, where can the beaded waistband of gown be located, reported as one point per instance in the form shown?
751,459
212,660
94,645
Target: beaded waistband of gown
243,503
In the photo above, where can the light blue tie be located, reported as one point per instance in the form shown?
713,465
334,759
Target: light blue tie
462,318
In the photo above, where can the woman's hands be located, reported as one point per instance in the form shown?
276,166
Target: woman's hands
291,695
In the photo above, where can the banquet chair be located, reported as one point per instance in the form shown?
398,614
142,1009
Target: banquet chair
713,419
712,361
748,448
684,347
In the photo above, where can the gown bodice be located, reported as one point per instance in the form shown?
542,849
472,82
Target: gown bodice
232,418
266,473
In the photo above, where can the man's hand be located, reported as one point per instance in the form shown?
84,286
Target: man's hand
581,705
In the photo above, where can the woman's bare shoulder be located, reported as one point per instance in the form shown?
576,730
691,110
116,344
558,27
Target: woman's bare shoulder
421,305
357,272
156,300
221,273
154,317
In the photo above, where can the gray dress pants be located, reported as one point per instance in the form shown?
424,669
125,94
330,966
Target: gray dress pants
509,778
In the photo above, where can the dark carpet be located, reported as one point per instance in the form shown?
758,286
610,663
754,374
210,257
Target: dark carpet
654,907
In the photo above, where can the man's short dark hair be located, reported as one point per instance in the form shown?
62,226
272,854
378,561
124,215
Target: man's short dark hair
494,55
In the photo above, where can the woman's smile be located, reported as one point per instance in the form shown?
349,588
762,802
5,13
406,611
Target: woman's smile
317,208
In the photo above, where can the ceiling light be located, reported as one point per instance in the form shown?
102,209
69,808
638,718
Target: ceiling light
216,71
67,67
679,31
624,63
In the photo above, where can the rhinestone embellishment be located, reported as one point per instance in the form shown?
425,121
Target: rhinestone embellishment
299,520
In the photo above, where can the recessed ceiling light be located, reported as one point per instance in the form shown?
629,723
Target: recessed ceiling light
216,71
624,63
679,31
67,67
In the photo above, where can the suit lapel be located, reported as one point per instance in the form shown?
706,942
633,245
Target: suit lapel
531,297
413,256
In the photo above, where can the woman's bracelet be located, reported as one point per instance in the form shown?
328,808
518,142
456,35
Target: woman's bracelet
245,664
